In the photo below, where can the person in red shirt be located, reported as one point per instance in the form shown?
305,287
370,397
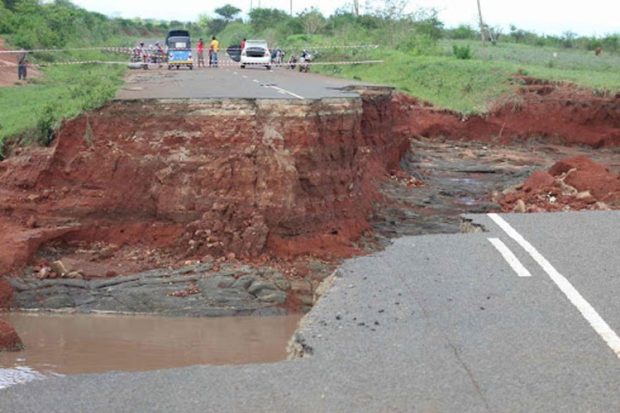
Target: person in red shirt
243,44
201,53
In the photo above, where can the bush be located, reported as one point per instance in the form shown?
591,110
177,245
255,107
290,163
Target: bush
47,123
418,45
461,52
463,32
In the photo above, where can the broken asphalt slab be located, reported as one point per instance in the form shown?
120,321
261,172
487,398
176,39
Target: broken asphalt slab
433,323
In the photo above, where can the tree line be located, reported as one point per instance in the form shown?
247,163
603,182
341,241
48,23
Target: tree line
32,23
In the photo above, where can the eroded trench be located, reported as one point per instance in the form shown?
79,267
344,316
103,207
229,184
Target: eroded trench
244,207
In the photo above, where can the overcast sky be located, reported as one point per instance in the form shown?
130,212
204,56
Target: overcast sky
592,17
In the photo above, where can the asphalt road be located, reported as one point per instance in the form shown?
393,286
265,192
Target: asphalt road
438,323
230,81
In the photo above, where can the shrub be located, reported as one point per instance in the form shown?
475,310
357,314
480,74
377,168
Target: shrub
461,52
418,45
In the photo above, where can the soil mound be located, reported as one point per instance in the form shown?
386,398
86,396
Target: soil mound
554,112
219,178
9,340
571,184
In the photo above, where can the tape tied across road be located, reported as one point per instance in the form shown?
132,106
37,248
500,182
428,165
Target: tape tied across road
163,65
129,50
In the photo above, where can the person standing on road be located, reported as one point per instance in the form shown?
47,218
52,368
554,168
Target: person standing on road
201,53
22,65
243,44
215,48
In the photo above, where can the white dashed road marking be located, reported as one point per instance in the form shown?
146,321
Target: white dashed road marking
587,311
509,256
288,92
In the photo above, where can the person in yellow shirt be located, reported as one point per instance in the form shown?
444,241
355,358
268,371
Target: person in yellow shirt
214,49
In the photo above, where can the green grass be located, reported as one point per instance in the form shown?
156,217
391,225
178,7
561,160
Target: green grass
472,86
32,110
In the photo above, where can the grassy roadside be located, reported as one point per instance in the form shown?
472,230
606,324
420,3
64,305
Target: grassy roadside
471,86
32,111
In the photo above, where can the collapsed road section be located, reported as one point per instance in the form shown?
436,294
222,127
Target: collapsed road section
243,206
141,185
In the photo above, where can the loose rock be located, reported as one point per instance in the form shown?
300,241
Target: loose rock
9,340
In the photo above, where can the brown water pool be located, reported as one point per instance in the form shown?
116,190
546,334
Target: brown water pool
72,344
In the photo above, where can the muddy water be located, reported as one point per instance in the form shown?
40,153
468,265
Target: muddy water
71,344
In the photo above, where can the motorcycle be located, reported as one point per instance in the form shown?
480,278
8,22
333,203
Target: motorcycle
292,62
139,58
304,62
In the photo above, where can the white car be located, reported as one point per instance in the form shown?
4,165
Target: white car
256,53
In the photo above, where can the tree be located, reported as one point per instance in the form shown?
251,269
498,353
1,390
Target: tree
313,21
228,12
6,19
216,26
391,9
262,19
426,22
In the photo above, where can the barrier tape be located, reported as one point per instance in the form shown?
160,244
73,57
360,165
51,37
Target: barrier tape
221,64
120,49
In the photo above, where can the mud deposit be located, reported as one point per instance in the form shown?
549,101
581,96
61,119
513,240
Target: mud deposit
72,344
444,178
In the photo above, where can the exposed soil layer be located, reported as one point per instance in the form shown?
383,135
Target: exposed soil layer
571,184
555,112
9,340
6,294
201,180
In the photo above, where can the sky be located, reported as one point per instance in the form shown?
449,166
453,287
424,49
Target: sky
592,17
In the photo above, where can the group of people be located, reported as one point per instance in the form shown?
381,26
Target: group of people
214,49
149,54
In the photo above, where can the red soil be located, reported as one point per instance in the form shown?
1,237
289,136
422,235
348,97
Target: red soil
9,340
6,294
555,112
156,184
571,184
277,179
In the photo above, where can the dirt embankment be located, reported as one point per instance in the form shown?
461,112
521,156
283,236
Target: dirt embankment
554,112
202,179
571,184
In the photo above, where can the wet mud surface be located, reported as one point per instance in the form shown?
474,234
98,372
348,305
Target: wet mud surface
199,290
443,179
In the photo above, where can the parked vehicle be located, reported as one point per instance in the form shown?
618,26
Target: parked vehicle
256,53
234,52
304,61
179,46
292,62
139,58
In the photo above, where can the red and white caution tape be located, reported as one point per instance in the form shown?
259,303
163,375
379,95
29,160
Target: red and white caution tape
123,50
221,64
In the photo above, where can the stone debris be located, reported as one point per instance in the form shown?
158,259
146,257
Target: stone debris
571,184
